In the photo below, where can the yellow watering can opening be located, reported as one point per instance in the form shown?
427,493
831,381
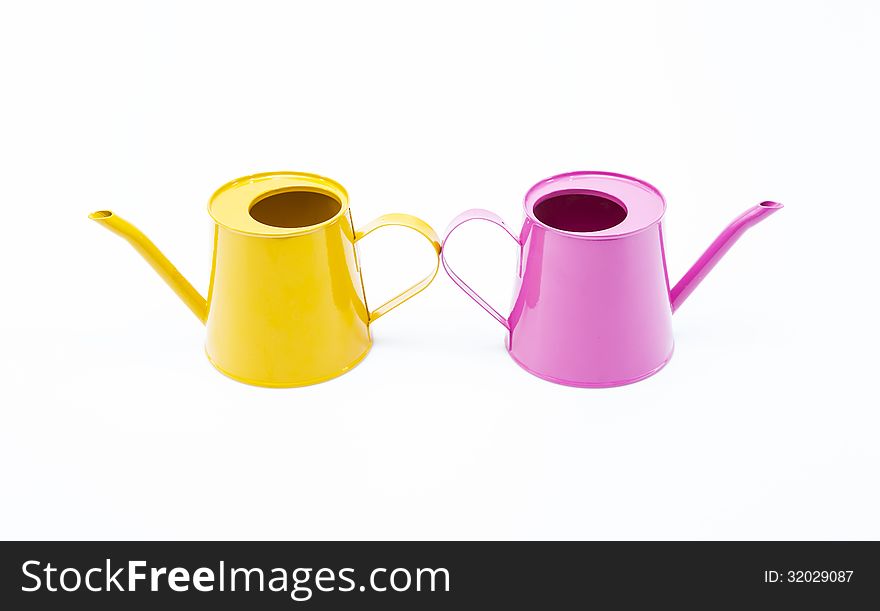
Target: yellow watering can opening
100,214
278,204
295,208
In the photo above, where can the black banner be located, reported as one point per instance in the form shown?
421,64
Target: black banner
413,575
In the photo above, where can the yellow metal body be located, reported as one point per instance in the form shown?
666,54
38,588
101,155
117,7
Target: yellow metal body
286,305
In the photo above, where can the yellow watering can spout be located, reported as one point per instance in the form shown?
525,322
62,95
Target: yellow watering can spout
159,262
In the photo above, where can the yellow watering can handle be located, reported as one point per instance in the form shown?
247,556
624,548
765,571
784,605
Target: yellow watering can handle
418,225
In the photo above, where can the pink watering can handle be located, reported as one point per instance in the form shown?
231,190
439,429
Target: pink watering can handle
476,214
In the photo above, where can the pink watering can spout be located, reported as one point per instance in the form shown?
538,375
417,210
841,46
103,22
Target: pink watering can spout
717,249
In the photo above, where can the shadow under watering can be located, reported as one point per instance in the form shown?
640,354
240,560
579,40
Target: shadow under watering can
592,301
286,303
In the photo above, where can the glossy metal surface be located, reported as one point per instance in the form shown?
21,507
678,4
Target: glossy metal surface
286,305
594,309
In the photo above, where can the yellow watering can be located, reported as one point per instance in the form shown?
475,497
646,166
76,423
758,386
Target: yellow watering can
286,304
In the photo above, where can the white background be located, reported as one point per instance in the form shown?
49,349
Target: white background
763,426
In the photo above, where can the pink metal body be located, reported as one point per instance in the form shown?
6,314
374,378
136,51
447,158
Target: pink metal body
594,308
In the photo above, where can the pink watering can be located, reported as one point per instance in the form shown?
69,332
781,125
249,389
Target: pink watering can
592,302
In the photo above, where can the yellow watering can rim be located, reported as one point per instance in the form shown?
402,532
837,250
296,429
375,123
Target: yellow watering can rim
230,205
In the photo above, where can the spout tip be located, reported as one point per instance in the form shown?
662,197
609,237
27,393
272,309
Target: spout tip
100,215
771,205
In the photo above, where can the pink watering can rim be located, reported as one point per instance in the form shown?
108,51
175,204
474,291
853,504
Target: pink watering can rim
642,202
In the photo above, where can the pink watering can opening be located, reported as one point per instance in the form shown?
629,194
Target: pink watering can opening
579,211
592,304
